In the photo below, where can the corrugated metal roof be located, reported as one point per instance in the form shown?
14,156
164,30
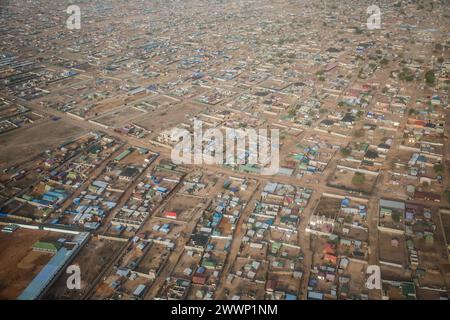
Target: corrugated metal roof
392,204
38,284
46,246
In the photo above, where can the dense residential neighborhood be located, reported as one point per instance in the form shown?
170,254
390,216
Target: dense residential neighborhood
91,117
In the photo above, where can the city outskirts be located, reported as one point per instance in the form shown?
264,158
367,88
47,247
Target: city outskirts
226,151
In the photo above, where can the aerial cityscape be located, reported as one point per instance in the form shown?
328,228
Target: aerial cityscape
224,150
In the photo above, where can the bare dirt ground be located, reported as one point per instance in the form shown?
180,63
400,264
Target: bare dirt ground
18,263
390,253
167,117
91,259
120,117
182,205
25,143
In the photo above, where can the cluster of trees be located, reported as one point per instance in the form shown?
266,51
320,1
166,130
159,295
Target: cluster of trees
395,216
345,152
406,75
412,111
430,78
438,169
358,133
358,178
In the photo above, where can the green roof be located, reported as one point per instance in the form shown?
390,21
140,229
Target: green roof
208,264
276,245
46,246
408,289
123,154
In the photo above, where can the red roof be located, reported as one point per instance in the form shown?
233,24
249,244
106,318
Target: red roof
328,249
199,279
170,214
288,199
331,258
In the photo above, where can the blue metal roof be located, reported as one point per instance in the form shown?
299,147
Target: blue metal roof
38,284
45,276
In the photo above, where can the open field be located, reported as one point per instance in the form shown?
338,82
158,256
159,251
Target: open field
92,260
100,142
26,142
120,117
19,264
167,117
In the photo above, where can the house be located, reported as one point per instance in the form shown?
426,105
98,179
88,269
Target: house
383,147
427,196
371,155
348,119
208,264
271,285
327,123
128,173
199,240
328,249
330,67
312,295
330,258
46,247
140,290
170,215
123,272
199,279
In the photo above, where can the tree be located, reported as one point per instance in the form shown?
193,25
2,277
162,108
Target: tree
406,75
438,169
292,112
447,195
345,152
348,219
395,216
358,178
430,78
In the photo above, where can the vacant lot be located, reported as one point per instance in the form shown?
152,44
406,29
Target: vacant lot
182,205
357,277
27,142
167,117
344,179
392,248
120,117
92,259
18,263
